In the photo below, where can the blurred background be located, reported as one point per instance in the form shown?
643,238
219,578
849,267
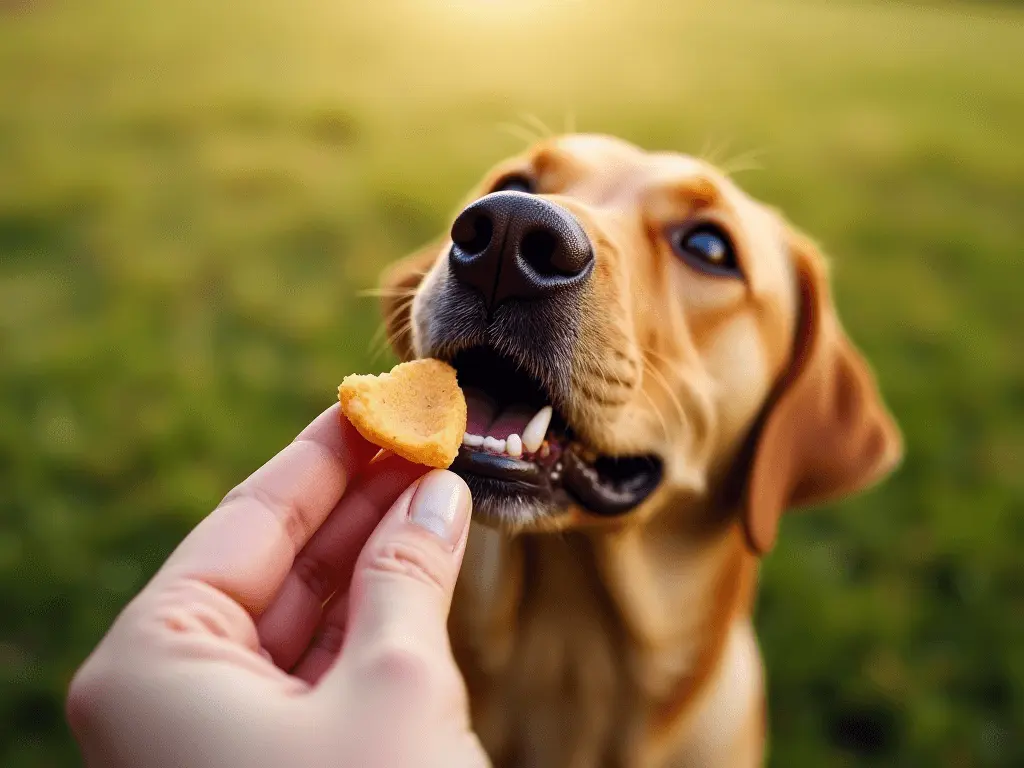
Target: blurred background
192,194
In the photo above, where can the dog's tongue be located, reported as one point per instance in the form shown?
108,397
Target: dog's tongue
480,408
484,418
511,421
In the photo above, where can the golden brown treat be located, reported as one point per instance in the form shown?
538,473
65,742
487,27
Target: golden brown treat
416,411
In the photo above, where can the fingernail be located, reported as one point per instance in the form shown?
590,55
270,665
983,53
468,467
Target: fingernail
441,505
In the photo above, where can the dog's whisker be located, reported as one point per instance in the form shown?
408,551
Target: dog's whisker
380,344
402,305
730,164
381,341
385,293
602,375
659,377
662,381
402,332
600,369
542,128
701,414
391,341
635,385
705,152
734,169
652,352
518,132
712,150
743,161
745,169
657,412
378,336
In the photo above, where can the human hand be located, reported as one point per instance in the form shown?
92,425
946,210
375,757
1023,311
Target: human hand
302,623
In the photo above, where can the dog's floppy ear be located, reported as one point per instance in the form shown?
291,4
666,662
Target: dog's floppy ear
398,288
827,433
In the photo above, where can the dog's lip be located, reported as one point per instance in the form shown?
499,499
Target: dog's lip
604,493
593,485
523,476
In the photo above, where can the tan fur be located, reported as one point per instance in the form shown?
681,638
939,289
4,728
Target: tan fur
628,642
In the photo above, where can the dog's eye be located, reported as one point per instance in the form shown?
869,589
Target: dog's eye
707,248
515,183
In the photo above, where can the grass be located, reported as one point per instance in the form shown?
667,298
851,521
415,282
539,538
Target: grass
192,194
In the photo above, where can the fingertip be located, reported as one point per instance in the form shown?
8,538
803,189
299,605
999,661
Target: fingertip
442,505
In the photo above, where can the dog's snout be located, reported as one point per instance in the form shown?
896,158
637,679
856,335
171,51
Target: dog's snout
512,245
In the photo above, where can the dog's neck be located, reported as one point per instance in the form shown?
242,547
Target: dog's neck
638,617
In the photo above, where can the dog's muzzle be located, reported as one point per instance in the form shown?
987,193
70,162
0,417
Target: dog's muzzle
508,319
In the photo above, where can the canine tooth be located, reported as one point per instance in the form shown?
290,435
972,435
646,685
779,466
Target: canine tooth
514,446
494,444
535,431
473,441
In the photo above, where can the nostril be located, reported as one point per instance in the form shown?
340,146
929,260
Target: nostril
553,254
473,234
538,248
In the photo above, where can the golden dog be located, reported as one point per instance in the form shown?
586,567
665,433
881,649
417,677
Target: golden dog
655,373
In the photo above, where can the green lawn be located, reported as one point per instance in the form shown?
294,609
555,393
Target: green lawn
192,193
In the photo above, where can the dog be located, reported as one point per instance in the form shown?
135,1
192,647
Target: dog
655,371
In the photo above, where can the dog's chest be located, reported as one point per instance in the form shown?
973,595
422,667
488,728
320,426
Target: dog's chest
545,658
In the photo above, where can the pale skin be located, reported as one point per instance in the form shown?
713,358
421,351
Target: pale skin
229,657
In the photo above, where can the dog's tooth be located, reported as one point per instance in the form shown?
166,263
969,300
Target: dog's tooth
534,433
472,441
494,445
514,446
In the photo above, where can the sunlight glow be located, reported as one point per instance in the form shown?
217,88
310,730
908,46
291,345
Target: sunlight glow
490,11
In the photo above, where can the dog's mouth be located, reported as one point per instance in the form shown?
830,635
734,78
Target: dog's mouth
519,448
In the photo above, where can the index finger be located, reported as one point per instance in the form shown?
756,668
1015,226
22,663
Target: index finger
246,546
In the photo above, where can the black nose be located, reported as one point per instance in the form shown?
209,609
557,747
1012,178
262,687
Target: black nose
511,245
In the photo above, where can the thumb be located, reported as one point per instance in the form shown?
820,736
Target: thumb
402,584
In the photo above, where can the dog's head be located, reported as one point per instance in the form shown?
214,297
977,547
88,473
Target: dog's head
631,329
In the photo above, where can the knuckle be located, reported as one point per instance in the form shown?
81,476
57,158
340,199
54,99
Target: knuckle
293,518
414,675
414,560
188,606
397,664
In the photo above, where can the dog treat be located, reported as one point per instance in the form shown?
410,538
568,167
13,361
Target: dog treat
416,411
